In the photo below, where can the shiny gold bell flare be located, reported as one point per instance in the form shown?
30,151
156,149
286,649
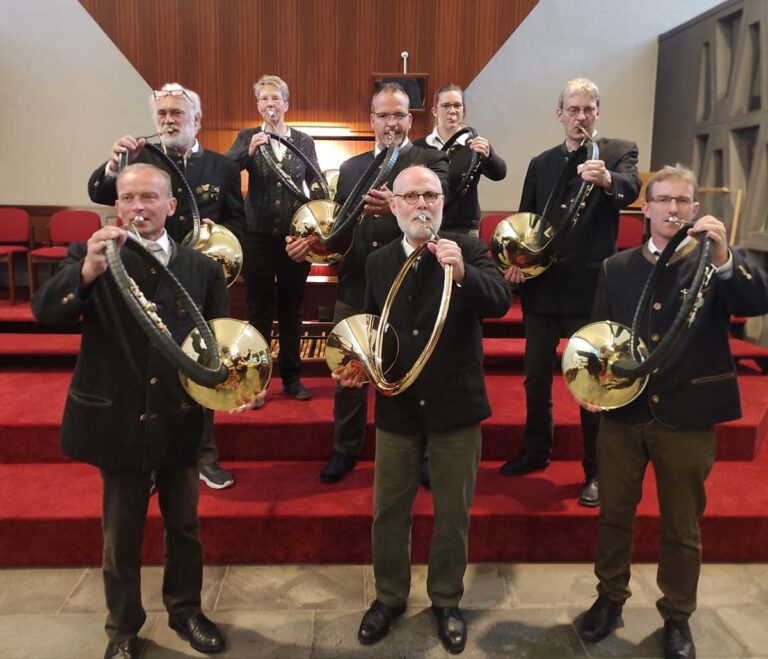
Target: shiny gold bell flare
350,344
246,355
221,245
516,242
331,177
587,361
315,220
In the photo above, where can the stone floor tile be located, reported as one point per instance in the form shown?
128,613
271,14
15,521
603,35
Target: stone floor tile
483,587
748,626
640,634
524,632
291,587
248,634
89,594
36,590
725,584
32,636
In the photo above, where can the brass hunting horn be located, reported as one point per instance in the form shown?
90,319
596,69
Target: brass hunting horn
357,342
530,241
606,364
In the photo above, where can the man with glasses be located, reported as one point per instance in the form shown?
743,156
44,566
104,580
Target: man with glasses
215,183
558,302
441,410
274,282
671,423
462,214
391,121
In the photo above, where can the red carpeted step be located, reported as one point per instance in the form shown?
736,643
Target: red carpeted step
279,512
31,407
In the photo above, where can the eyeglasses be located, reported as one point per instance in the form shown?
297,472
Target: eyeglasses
274,99
448,106
412,198
574,110
665,200
162,93
397,116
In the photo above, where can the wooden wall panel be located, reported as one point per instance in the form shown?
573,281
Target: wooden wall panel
324,49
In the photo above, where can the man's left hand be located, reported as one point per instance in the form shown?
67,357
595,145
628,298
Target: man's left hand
717,233
449,253
594,171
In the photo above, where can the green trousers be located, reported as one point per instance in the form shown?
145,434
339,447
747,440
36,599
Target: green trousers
453,461
682,460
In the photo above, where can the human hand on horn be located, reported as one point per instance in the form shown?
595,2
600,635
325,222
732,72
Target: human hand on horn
595,172
350,375
95,261
514,275
448,252
249,404
256,141
481,146
126,143
296,248
717,233
377,201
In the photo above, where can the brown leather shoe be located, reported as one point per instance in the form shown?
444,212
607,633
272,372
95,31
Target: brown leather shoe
590,494
678,642
122,649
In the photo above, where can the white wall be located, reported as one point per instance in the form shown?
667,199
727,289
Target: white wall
68,93
613,43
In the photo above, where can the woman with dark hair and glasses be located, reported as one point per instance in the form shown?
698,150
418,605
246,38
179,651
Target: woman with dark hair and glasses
462,206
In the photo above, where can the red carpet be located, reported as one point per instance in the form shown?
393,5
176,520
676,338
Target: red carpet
278,511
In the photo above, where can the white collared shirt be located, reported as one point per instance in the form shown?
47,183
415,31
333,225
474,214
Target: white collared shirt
434,139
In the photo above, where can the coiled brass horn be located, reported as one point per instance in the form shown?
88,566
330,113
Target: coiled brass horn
357,342
606,365
216,242
530,241
330,227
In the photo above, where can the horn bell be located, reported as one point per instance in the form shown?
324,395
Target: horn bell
350,344
247,357
587,361
516,242
221,245
315,220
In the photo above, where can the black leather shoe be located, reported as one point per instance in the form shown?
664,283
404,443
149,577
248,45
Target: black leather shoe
524,463
337,467
590,494
121,650
678,642
201,633
451,628
377,621
297,390
600,620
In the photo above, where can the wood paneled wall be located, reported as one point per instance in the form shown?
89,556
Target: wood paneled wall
326,51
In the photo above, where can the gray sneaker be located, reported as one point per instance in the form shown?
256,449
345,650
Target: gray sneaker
216,477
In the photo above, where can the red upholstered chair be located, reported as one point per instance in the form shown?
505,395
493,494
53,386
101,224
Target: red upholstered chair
631,231
488,226
14,239
64,227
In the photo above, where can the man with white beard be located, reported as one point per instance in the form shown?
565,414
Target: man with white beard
213,178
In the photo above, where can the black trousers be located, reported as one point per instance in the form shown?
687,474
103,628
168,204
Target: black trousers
209,452
542,334
350,404
275,284
125,500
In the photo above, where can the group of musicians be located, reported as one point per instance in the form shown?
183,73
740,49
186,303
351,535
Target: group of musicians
428,201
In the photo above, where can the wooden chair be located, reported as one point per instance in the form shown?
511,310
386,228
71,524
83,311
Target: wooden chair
64,227
14,239
631,230
488,225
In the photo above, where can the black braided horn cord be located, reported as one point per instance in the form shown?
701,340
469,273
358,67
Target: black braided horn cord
285,178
